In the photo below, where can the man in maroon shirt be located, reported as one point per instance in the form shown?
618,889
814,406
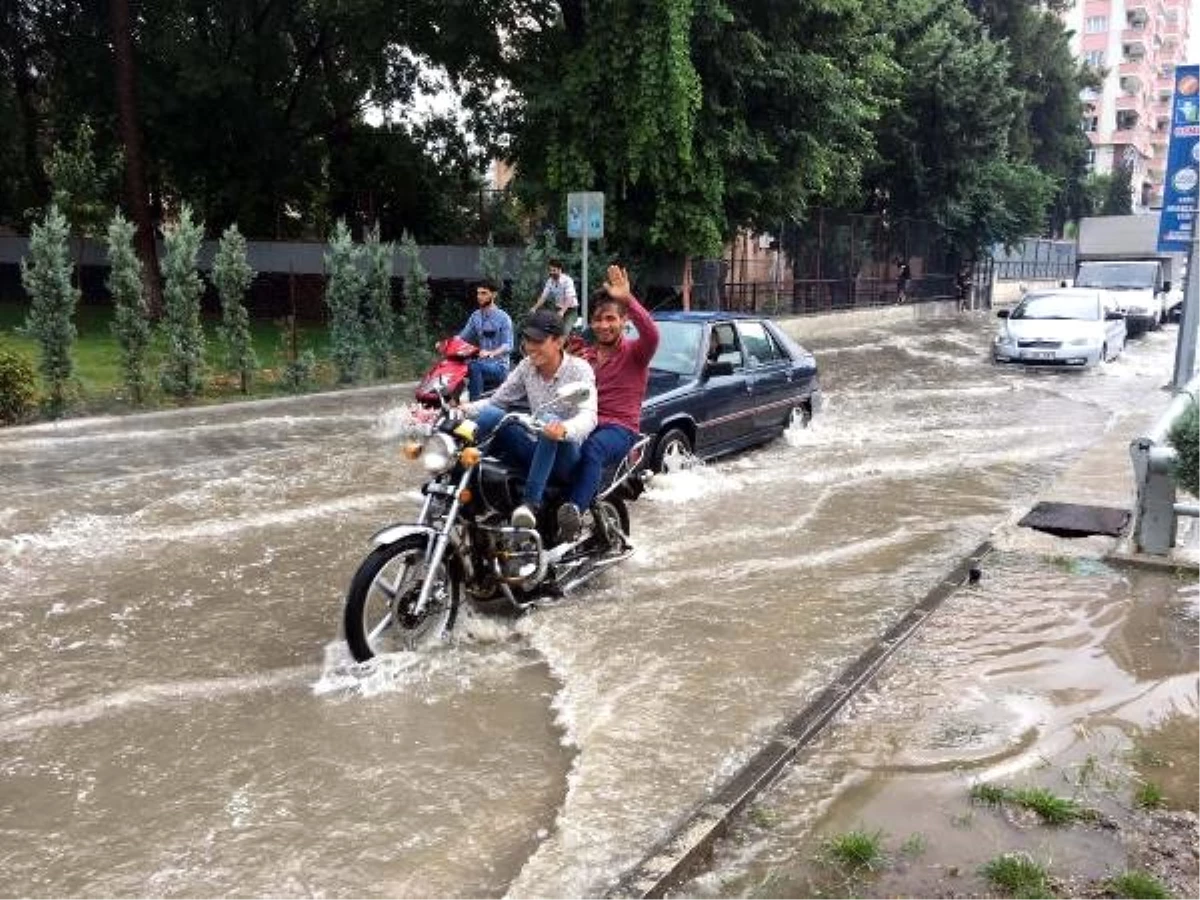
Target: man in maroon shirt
622,366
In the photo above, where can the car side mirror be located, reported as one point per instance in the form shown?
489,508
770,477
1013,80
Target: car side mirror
1166,287
717,368
1002,313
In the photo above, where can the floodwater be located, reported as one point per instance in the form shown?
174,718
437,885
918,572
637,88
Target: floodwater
179,718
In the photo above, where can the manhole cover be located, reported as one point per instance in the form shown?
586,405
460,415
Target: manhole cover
1074,520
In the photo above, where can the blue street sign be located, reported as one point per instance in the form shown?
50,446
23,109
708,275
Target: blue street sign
1177,221
585,207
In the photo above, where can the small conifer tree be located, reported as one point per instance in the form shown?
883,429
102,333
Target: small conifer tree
491,262
414,315
531,276
183,368
46,275
343,293
231,275
379,318
131,321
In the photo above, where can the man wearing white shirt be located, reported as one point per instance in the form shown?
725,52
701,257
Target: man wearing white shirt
559,290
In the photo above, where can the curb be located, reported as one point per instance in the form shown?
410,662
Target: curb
689,847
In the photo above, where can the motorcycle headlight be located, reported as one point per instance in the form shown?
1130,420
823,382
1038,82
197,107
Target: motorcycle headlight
438,454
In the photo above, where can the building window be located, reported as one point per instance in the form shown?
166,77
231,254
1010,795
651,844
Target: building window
1095,24
1089,158
1094,58
1126,119
1091,124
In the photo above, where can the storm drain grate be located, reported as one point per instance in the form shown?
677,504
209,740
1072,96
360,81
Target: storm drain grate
1074,520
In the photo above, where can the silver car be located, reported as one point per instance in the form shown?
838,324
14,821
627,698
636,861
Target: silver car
1076,327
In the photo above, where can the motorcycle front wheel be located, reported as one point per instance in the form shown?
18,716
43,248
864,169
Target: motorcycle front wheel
379,618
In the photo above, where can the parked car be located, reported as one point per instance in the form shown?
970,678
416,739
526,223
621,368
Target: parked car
1075,327
721,382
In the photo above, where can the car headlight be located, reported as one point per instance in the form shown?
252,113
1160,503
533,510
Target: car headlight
438,454
1003,339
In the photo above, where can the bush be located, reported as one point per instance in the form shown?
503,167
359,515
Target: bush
18,386
1184,436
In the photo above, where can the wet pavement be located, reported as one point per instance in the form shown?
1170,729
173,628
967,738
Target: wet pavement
178,716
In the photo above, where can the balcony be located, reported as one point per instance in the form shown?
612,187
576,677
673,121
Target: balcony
1133,44
1136,13
1136,68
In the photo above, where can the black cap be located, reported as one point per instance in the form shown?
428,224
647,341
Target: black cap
541,324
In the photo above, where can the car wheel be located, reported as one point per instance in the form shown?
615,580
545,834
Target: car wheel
673,453
800,416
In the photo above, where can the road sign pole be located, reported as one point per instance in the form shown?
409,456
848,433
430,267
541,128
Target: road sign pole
583,279
1189,323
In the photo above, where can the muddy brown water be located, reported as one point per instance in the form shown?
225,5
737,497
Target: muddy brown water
179,718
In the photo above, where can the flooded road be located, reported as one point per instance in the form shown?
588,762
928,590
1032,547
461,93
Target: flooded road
179,718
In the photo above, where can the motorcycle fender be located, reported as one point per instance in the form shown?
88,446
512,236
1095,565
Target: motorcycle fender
393,533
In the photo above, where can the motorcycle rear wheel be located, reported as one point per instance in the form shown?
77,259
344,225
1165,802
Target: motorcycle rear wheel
378,613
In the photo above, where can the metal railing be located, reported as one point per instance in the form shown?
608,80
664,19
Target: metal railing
1157,514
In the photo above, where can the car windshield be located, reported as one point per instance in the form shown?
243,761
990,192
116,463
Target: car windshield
678,347
1116,275
1058,306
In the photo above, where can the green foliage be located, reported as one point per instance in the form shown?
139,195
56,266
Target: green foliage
530,278
988,794
232,275
131,323
344,289
1052,809
46,276
1148,795
1137,885
491,262
1118,199
414,314
18,386
82,188
1184,437
379,318
856,850
1018,875
183,366
300,373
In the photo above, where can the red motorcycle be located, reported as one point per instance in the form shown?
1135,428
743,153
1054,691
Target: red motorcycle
449,373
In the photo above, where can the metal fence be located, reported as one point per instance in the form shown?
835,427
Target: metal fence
1035,259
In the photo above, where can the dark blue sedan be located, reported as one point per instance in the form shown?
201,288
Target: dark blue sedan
722,382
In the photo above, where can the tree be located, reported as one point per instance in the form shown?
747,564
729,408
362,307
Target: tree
183,368
46,276
414,315
136,194
703,117
232,275
343,297
943,143
1118,199
379,318
131,323
81,187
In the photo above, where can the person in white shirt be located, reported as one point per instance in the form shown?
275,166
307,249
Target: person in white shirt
559,291
536,381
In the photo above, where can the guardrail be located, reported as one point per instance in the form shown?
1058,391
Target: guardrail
1156,516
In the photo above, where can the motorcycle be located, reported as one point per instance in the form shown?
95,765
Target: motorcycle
408,591
448,373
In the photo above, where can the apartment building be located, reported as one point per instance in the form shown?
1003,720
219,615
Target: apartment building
1135,46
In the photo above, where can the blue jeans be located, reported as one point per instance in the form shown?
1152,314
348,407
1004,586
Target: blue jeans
484,374
543,458
606,446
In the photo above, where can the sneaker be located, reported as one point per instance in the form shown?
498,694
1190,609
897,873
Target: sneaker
524,516
568,522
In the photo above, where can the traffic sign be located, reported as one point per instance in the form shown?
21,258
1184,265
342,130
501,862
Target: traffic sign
585,215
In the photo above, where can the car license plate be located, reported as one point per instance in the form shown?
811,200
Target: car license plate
1040,354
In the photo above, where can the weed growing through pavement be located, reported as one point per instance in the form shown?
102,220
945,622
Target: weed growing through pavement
1148,795
1135,885
763,817
855,850
914,845
1018,875
1052,809
988,794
